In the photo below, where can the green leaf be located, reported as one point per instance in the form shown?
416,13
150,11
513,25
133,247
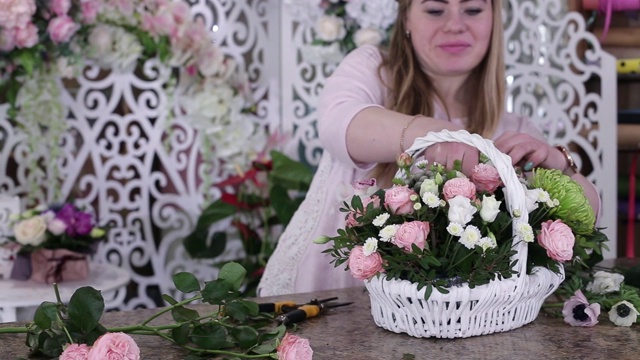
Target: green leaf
85,308
241,310
198,247
233,273
169,299
282,204
181,334
182,314
186,282
52,346
210,336
45,314
215,212
217,291
288,173
246,336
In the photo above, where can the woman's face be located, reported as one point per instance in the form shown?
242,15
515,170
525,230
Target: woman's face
450,37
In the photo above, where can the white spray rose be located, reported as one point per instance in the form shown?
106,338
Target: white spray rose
460,210
428,185
30,231
490,208
330,28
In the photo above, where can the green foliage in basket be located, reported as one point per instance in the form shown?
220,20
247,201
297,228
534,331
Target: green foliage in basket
438,228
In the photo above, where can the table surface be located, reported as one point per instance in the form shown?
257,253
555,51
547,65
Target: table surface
16,293
350,333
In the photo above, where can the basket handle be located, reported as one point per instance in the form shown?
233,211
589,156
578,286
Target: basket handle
514,191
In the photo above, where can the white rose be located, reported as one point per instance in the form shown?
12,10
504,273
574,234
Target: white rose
57,226
368,36
428,186
101,40
330,28
460,210
605,282
30,231
490,208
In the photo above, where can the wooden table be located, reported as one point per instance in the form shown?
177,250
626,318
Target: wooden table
350,333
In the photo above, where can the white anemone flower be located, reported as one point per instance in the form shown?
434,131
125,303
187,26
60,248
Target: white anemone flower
623,314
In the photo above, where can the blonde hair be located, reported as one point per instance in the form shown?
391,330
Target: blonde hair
412,92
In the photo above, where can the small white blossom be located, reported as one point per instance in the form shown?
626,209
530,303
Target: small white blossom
517,213
421,164
370,246
455,229
524,232
605,282
428,186
414,197
431,200
381,219
488,242
417,206
388,232
623,314
470,237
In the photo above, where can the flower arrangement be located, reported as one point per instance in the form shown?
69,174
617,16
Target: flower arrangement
232,328
260,203
44,41
340,26
438,228
63,226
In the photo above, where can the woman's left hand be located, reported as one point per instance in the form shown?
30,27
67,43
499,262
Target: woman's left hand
528,152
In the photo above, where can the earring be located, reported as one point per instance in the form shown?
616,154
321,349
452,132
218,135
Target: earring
407,34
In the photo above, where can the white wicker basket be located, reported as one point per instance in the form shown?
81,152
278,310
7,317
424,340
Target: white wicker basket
501,305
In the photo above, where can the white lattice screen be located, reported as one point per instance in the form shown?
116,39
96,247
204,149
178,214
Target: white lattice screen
116,161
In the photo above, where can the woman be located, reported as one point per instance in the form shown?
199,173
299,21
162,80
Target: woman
444,70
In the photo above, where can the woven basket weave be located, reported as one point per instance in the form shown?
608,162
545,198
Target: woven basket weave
500,305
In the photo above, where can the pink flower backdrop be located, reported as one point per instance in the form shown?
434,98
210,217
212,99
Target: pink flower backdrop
143,172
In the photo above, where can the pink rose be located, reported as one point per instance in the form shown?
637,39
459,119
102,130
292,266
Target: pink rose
27,36
578,312
398,199
558,239
114,346
364,267
90,10
7,39
60,7
16,13
75,352
414,232
459,186
61,29
293,347
352,215
486,178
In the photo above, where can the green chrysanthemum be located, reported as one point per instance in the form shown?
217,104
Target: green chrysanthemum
574,208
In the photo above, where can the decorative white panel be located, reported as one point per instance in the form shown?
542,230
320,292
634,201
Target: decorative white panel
571,97
139,172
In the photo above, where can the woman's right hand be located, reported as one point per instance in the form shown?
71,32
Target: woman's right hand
446,153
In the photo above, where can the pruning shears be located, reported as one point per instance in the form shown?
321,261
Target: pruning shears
290,312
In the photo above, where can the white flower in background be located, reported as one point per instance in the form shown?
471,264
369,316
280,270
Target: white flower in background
370,246
535,196
321,54
605,282
381,219
378,14
623,314
211,62
31,231
428,185
432,200
470,237
524,232
489,208
56,226
114,47
388,232
330,28
455,229
368,36
460,210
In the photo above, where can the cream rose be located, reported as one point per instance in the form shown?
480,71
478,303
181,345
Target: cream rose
490,208
330,28
30,231
368,36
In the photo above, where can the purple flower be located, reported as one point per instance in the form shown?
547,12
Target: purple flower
78,222
578,312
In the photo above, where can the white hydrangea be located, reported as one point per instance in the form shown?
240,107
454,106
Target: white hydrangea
388,232
381,219
370,246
